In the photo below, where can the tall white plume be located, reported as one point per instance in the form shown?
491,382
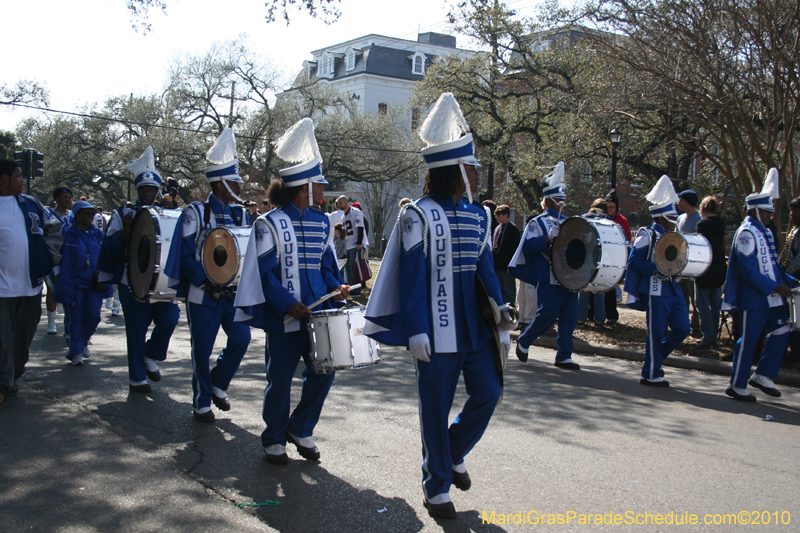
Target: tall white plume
224,149
771,185
146,162
445,122
556,177
663,192
298,144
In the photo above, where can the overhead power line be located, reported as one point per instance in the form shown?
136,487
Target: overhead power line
187,130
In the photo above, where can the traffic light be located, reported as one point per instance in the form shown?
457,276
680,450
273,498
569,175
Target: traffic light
22,159
38,164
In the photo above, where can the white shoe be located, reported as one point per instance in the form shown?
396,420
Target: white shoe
51,323
77,360
86,354
115,311
109,303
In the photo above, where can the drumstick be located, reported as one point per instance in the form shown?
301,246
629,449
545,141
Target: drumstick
328,296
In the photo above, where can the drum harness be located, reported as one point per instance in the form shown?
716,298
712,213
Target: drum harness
217,292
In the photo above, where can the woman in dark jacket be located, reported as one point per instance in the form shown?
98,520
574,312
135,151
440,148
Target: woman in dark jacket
708,287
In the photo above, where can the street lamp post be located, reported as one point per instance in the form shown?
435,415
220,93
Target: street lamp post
616,139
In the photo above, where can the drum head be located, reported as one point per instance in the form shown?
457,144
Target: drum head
575,254
220,256
671,254
143,254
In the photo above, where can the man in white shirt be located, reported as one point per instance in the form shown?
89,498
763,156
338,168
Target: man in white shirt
337,217
29,250
355,239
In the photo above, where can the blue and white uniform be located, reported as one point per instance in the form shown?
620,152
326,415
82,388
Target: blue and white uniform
204,313
427,285
75,287
138,315
289,259
753,274
531,264
662,300
66,220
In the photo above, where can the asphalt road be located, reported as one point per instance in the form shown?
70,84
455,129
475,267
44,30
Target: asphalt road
82,454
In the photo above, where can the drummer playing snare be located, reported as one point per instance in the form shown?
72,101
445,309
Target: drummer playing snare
289,264
656,293
143,354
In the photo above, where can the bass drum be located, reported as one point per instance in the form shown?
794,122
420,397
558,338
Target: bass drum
148,249
222,254
589,254
682,255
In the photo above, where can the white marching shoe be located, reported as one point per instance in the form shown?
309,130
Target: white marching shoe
51,323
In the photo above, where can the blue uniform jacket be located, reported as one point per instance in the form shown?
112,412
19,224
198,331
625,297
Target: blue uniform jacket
78,259
642,267
44,239
534,247
472,259
318,268
112,263
183,265
747,284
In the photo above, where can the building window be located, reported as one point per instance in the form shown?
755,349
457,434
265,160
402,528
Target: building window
417,63
351,60
383,108
414,118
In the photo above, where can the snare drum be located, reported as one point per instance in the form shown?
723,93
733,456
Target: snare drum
338,340
148,249
589,254
682,255
794,310
222,254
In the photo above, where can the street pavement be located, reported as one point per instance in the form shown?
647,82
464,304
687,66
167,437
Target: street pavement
80,453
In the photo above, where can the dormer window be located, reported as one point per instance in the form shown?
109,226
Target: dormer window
418,63
351,60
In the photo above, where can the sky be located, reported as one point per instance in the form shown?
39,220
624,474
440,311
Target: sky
85,51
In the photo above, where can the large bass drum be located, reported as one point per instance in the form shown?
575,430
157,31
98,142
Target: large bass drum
150,238
682,255
589,254
222,254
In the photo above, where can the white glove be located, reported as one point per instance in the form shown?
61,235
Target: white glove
553,233
420,347
505,340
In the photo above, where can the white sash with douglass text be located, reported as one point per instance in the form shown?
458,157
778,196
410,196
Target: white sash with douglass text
441,260
288,260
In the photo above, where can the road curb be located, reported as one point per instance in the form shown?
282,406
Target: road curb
790,378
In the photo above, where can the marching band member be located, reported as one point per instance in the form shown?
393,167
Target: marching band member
62,212
290,264
425,298
77,286
651,291
756,286
209,306
531,264
143,354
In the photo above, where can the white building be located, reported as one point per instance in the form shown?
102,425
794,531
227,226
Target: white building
376,72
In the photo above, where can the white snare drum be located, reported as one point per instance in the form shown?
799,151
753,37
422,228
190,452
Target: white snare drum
589,254
794,310
148,249
338,340
222,254
682,255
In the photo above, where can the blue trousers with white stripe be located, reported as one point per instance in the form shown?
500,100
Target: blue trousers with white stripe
555,303
282,354
752,324
204,324
443,446
667,326
138,316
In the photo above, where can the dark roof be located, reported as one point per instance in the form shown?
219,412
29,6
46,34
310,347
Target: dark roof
380,61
